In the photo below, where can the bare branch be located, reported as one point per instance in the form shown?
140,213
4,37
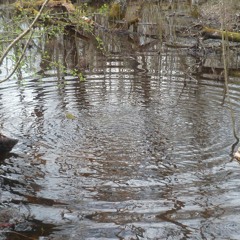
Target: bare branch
19,60
23,33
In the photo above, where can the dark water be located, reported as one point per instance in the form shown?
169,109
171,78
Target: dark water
137,150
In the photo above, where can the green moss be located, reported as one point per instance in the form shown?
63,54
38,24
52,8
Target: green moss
115,11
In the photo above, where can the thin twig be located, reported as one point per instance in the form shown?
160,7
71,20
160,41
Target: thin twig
23,33
19,60
19,234
226,77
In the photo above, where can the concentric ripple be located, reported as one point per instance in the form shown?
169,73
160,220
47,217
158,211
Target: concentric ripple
136,151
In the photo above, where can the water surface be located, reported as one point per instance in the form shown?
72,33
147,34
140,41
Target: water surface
137,150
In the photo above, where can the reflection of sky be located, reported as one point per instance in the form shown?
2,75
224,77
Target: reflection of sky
30,65
6,67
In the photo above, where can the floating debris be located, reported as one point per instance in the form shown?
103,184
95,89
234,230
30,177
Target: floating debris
237,154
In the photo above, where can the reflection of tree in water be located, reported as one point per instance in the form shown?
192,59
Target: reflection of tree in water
128,158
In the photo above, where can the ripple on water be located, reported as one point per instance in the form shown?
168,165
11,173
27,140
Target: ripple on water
147,154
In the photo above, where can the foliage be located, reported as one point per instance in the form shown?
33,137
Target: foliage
51,25
70,116
115,11
104,9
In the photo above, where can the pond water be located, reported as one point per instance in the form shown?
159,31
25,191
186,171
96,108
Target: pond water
138,150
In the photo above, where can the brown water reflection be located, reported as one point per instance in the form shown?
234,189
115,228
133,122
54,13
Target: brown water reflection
147,156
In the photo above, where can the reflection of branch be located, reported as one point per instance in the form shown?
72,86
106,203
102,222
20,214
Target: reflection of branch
19,60
166,216
23,33
226,78
19,234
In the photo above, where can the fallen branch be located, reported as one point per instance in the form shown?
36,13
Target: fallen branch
218,34
51,4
